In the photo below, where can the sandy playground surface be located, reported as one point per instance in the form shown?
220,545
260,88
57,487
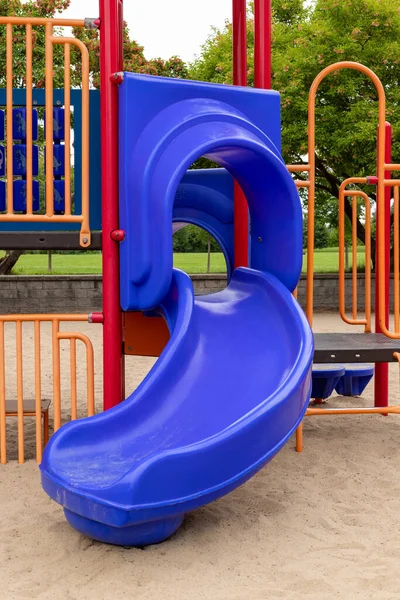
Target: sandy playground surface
320,525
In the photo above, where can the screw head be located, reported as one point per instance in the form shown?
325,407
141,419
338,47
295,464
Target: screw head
260,239
85,240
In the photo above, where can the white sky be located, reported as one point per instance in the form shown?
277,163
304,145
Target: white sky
165,27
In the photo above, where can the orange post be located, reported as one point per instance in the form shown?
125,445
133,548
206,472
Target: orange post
20,394
3,440
9,95
49,121
38,392
74,393
67,128
29,105
382,281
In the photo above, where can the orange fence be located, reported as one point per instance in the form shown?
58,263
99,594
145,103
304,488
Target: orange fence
381,235
38,407
382,183
51,40
354,194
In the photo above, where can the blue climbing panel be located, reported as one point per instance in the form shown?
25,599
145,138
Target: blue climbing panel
19,155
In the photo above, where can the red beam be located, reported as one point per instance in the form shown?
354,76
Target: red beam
241,218
262,44
111,61
382,369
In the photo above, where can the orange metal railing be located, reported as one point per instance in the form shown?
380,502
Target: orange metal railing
57,337
354,194
309,168
51,40
382,183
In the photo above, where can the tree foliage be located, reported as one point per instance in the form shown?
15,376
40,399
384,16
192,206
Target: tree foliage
307,39
194,239
32,8
134,59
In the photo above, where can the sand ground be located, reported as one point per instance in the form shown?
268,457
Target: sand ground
320,525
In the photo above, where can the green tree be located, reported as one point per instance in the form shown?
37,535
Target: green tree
33,8
305,40
194,239
134,59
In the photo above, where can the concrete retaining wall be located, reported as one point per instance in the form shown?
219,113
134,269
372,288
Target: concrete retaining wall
82,294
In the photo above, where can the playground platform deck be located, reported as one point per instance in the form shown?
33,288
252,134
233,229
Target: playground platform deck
354,348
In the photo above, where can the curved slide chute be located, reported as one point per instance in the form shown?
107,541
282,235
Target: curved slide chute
234,380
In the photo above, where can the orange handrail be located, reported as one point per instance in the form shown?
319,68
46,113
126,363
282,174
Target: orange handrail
342,291
57,337
310,168
50,41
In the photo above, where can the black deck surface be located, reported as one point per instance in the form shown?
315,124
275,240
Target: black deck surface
354,347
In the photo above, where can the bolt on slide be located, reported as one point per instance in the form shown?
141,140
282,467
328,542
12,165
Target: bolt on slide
234,381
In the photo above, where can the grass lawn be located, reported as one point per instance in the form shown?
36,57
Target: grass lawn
326,261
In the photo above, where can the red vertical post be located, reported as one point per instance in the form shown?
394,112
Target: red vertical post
241,217
262,44
111,61
382,369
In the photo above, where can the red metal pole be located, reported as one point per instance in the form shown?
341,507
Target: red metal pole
241,217
262,44
111,61
382,369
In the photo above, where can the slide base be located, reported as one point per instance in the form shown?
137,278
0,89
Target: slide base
142,534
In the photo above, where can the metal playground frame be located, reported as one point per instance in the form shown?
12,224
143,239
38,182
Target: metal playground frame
380,347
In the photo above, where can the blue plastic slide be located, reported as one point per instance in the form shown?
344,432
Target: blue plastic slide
234,381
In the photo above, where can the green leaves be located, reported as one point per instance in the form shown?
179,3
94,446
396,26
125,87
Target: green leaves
306,39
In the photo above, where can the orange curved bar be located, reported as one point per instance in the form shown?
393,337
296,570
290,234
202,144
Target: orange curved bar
311,157
342,310
85,229
89,365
